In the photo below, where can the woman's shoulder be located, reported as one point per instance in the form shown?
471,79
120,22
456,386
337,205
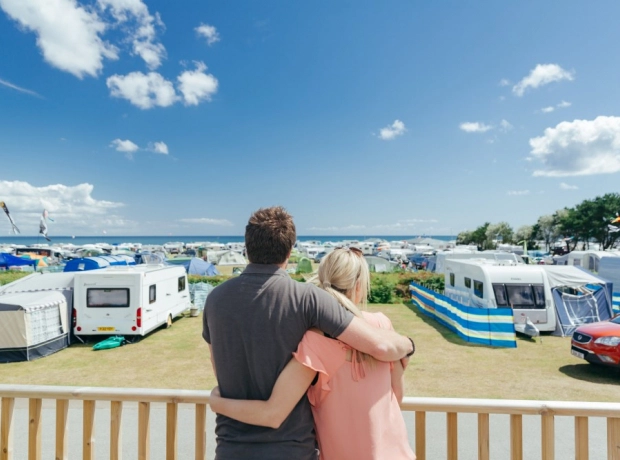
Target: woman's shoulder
378,319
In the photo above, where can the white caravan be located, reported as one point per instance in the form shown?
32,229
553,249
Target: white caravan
131,300
493,283
444,257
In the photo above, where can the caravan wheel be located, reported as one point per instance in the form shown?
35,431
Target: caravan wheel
169,322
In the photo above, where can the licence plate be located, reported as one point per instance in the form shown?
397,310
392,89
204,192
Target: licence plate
577,354
106,329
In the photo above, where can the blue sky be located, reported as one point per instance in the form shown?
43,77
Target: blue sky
143,117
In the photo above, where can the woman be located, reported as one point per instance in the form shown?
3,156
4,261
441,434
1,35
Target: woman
354,398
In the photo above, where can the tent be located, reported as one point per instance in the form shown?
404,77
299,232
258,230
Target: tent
380,265
200,267
33,325
198,293
579,297
9,260
609,268
231,258
304,265
94,263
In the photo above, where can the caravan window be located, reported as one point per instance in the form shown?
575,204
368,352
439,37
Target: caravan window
181,283
468,283
478,289
520,295
539,295
500,295
107,298
451,279
152,293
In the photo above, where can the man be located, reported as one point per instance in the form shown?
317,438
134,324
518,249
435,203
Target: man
253,324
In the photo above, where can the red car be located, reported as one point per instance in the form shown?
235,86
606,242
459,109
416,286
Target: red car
598,343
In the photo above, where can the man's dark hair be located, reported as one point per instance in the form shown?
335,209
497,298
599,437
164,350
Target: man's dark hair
269,236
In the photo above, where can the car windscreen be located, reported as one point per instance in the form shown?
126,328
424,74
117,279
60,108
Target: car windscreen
107,298
616,320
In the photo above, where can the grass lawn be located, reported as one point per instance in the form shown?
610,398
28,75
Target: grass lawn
443,366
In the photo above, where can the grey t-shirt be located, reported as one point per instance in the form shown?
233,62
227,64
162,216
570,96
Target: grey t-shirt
254,323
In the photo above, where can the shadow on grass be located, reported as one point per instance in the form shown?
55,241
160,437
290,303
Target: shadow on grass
592,373
446,333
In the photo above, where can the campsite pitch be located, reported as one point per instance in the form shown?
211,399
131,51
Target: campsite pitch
443,366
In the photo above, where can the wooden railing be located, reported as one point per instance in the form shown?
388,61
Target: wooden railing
546,410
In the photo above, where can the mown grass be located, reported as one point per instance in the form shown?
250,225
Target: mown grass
443,366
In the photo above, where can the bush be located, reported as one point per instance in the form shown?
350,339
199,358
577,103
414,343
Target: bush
381,290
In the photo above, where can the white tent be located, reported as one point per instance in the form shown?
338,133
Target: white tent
32,325
231,258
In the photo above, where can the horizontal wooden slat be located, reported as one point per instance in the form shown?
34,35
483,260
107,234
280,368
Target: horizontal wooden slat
484,406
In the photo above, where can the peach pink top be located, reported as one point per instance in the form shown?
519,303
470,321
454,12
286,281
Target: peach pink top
356,414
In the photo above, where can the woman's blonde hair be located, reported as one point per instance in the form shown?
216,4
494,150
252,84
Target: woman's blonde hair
340,273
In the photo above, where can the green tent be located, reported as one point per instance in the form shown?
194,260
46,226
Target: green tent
304,265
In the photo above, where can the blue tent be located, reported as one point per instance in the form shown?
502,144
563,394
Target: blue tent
9,260
197,266
94,263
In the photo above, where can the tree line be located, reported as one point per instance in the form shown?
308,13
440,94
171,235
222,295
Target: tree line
589,221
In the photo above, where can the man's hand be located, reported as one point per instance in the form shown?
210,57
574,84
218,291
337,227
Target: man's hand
381,344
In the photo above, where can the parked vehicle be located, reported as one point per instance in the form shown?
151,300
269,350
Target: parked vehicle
552,298
130,300
598,343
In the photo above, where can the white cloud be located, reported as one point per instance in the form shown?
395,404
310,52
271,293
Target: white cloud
196,85
561,105
124,146
565,186
209,32
392,131
141,26
541,75
518,192
73,208
579,148
159,147
504,82
505,126
8,84
144,91
474,127
68,34
208,221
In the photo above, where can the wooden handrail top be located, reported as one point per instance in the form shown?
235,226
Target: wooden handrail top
507,406
459,405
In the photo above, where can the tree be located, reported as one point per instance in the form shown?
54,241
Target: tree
596,216
465,237
566,227
501,232
524,233
479,236
547,230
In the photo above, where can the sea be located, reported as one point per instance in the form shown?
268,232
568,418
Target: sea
160,240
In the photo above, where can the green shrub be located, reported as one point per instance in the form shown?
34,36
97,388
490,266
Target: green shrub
381,290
